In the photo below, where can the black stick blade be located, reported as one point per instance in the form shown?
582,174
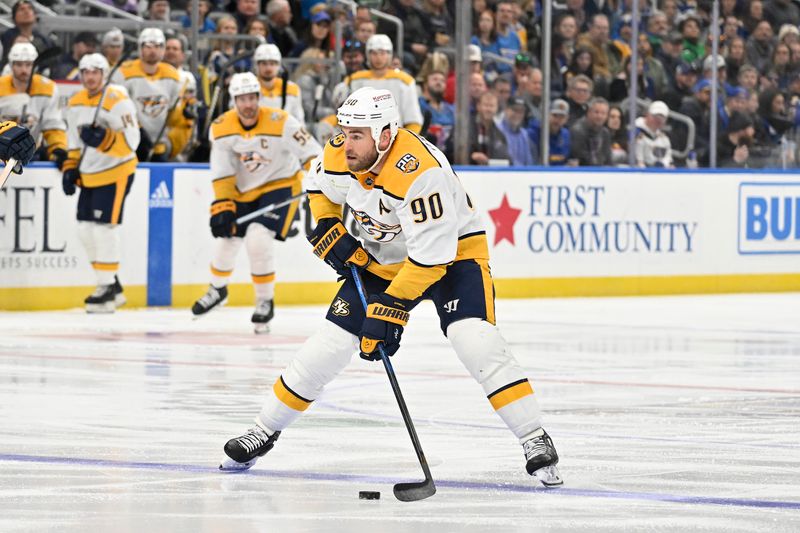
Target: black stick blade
413,492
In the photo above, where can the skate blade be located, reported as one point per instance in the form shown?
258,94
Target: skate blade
549,476
100,309
229,465
261,329
120,300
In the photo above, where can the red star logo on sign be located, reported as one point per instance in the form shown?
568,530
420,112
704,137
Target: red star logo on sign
504,218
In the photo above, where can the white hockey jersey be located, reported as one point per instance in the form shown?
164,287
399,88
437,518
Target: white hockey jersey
273,98
246,163
653,149
415,216
399,83
114,159
41,107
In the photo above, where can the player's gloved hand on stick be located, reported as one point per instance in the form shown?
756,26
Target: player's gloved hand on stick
145,145
69,181
16,142
334,245
59,156
96,136
386,317
223,218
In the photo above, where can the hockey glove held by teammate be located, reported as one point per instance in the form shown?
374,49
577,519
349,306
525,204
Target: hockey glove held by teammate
16,142
97,137
386,317
69,180
59,157
334,245
223,218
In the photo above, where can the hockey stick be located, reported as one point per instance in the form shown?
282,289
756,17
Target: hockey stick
166,121
218,87
405,492
6,172
268,208
125,55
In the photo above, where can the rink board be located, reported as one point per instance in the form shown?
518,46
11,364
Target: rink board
572,232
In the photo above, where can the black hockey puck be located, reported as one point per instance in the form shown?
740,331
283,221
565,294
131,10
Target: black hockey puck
369,495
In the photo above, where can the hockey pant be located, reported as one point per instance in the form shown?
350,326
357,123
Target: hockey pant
260,244
478,344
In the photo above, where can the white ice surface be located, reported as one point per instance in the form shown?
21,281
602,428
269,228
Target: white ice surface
670,414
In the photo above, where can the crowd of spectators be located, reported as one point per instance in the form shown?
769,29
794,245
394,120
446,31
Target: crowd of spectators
758,71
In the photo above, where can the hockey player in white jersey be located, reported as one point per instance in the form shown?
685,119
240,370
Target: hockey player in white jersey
155,88
423,239
275,91
381,75
40,106
102,162
257,159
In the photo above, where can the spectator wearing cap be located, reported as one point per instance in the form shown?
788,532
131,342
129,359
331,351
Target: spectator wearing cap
758,49
281,33
698,109
709,63
24,18
590,141
442,114
682,87
733,147
669,53
689,25
206,24
318,34
579,92
652,147
486,140
607,57
780,12
354,57
523,66
507,36
559,145
111,46
520,149
67,67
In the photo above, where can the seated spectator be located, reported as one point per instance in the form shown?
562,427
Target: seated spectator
317,36
475,66
477,86
736,101
531,92
590,141
441,22
314,80
607,57
281,33
619,135
246,11
773,119
620,86
733,147
779,12
748,78
682,86
780,67
259,29
158,10
652,146
24,18
354,57
442,114
670,55
520,149
507,36
67,67
734,58
582,63
754,15
566,27
225,50
758,49
559,145
487,41
579,92
501,87
652,67
487,142
417,38
364,29
206,24
689,24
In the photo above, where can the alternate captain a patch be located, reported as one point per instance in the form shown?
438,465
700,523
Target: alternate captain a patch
408,164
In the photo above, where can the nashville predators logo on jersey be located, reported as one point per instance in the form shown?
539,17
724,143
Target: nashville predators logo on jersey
377,230
408,164
153,105
253,161
340,307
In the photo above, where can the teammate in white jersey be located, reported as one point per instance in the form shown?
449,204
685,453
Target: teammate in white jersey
257,159
275,91
381,75
155,88
423,239
102,162
42,115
